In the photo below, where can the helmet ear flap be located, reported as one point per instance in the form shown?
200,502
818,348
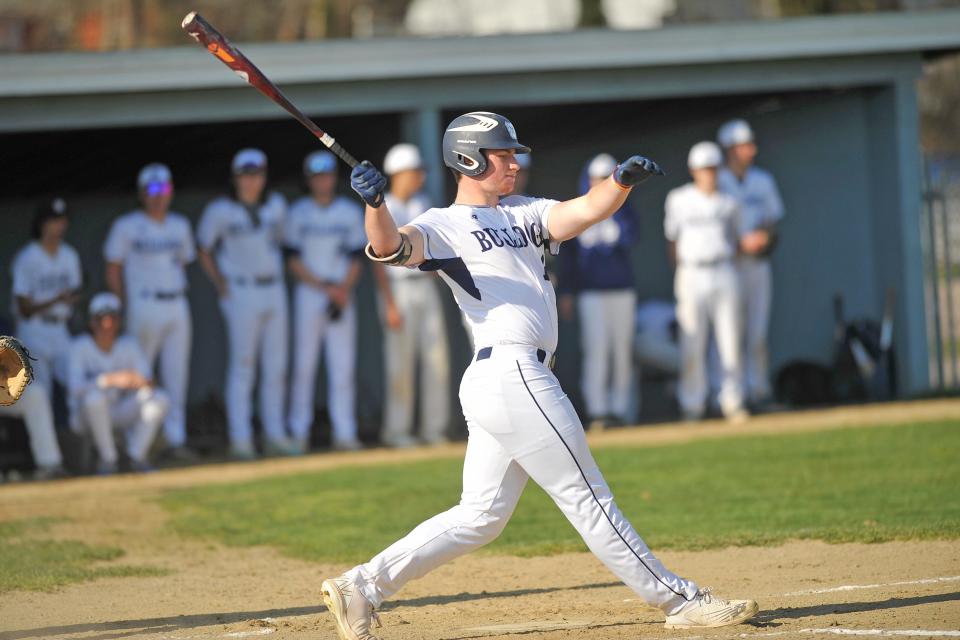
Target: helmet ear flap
471,166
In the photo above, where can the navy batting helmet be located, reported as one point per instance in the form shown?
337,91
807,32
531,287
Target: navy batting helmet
470,134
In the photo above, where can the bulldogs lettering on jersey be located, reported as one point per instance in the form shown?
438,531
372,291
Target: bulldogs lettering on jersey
326,238
247,245
153,253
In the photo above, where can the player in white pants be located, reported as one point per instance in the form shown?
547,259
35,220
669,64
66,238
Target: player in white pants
324,239
415,329
597,270
702,227
46,284
146,252
490,250
240,238
111,388
761,209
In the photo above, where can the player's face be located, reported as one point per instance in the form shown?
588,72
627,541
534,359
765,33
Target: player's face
705,179
322,185
157,197
105,326
250,185
743,154
55,228
406,183
501,174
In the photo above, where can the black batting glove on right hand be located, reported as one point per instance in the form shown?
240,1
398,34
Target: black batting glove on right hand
369,183
635,170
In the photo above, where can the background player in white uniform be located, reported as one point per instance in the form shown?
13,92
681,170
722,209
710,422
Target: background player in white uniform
46,284
146,252
760,210
490,251
325,239
111,388
34,409
240,239
702,226
421,336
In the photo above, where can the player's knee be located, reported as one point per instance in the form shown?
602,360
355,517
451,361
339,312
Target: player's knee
95,400
156,404
486,524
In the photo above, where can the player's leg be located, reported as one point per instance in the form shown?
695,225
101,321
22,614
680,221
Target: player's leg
757,281
274,347
309,325
36,338
492,485
340,352
401,367
175,371
434,352
34,409
140,415
617,306
594,340
243,328
94,416
728,329
693,325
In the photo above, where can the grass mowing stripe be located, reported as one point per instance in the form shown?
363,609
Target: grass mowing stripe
865,485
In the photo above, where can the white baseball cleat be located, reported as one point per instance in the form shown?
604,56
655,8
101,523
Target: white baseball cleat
352,612
707,610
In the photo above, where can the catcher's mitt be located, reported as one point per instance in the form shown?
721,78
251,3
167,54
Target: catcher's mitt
15,370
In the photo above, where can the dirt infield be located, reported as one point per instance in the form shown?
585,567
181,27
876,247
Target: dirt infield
804,588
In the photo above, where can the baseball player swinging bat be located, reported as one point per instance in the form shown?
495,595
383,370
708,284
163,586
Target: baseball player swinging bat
207,35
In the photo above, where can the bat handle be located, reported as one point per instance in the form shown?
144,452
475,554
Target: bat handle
337,150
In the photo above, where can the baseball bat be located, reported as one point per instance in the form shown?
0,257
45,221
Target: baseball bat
207,35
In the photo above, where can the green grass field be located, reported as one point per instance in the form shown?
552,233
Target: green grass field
30,561
867,485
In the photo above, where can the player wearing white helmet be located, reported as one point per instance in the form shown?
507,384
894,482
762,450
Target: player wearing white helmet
490,250
761,209
415,329
702,227
146,253
47,278
240,237
324,239
110,387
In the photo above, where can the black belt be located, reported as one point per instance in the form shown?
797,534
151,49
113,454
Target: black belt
706,263
163,295
485,352
259,281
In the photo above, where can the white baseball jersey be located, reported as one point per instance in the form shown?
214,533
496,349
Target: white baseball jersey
493,260
42,277
247,244
405,213
760,203
87,362
327,237
152,253
704,226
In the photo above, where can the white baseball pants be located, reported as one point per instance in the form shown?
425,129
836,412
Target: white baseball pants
256,318
49,343
756,283
34,409
708,296
606,339
139,414
521,424
164,330
312,325
423,338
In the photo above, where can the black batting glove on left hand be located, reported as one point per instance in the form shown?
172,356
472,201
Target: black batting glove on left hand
369,183
635,170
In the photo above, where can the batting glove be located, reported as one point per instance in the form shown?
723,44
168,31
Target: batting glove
368,183
635,170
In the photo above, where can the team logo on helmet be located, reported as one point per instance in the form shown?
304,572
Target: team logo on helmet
482,124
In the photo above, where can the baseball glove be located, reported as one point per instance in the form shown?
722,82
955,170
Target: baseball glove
15,370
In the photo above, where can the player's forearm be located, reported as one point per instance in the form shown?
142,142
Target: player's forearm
210,268
114,277
571,218
301,273
353,274
383,283
382,233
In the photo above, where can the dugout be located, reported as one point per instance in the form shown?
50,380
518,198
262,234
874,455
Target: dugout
832,100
